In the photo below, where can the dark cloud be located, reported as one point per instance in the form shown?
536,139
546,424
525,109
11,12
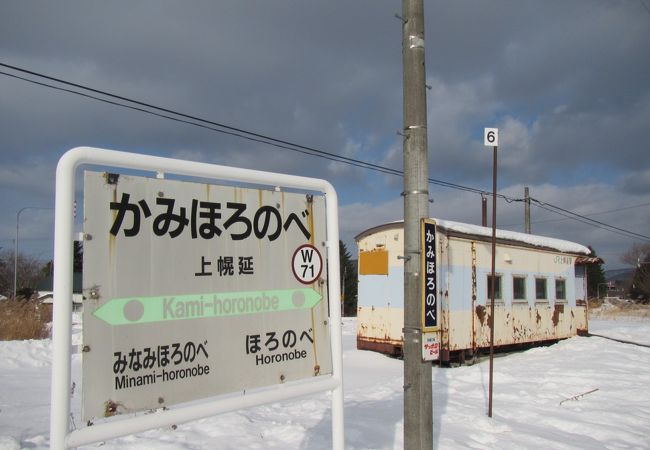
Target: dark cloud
636,183
565,82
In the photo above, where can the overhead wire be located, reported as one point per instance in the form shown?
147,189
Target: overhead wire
278,143
225,129
330,157
599,213
587,221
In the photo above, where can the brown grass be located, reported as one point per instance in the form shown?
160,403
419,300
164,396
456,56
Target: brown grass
24,319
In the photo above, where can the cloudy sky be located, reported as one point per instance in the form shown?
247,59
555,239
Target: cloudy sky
567,83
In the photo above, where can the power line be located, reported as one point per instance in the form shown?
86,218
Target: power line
222,128
586,220
599,213
331,157
189,119
226,129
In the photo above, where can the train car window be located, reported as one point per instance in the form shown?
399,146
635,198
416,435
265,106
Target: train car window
560,289
497,287
519,288
540,289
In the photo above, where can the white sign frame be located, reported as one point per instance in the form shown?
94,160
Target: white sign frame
60,435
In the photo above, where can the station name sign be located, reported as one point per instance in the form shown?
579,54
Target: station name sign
430,301
195,290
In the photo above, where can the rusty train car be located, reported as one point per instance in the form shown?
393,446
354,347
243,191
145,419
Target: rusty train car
540,288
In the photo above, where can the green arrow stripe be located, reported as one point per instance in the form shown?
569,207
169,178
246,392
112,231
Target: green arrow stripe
134,310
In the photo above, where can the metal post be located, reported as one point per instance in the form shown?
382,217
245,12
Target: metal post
16,253
345,273
418,415
527,210
493,284
483,209
598,289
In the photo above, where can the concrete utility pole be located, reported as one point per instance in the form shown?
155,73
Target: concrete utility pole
418,414
527,210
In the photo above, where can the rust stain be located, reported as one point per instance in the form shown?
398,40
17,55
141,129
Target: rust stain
480,313
391,347
538,318
309,212
474,346
111,238
559,309
111,408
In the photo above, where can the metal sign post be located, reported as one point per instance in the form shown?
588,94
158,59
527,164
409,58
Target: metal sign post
194,290
491,138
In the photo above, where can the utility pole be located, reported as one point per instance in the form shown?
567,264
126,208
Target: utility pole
418,413
483,209
527,211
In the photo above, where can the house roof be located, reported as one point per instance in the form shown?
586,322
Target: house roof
476,231
48,283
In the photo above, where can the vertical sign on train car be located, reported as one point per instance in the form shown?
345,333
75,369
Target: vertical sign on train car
430,310
192,291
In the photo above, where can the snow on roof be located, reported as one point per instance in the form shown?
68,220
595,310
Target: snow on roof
530,239
477,230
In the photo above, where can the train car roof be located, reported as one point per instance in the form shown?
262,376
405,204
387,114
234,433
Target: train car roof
503,236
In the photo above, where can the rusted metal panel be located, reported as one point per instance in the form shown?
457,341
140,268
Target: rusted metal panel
521,323
474,306
380,324
374,262
387,347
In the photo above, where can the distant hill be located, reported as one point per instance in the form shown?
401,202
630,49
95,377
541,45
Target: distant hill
619,275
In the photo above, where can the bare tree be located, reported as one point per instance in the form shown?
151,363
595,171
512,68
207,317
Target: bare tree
636,254
30,274
639,256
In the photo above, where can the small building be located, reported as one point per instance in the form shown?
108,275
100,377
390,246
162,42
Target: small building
540,288
45,291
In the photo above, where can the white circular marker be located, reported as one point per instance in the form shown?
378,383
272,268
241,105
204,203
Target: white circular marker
307,264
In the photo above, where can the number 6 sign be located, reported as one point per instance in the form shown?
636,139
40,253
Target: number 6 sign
491,137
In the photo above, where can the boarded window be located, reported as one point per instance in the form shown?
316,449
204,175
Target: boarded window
540,289
373,263
519,288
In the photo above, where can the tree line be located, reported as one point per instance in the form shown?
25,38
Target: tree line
32,272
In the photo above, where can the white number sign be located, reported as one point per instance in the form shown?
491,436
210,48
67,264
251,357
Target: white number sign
491,137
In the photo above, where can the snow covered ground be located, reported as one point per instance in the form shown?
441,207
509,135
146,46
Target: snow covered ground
537,402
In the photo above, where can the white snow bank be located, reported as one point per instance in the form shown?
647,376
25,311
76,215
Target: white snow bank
24,354
580,393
